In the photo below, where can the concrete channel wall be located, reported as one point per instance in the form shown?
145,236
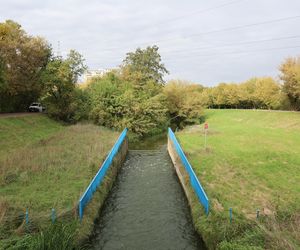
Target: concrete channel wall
193,179
181,173
185,183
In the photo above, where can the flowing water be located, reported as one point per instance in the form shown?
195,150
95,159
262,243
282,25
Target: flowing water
146,208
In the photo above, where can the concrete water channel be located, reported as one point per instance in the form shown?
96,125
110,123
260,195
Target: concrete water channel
146,208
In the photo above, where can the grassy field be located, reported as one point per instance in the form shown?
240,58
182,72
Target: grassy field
16,133
252,162
45,165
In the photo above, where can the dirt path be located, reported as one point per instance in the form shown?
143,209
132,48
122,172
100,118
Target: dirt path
6,115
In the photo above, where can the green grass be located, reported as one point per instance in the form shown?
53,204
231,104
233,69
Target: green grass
58,236
252,162
49,169
17,132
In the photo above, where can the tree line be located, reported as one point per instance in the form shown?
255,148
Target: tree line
135,95
29,71
260,92
255,93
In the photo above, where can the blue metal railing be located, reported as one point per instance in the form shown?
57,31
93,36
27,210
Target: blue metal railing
193,178
88,194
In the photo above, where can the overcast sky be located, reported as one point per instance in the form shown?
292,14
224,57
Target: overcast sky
201,41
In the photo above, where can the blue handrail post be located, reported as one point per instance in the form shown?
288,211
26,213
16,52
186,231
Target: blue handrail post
230,214
257,214
53,215
26,217
207,208
80,211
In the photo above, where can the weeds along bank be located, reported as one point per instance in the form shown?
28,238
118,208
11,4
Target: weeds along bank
50,169
251,165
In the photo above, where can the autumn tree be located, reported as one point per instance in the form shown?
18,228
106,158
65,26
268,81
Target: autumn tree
219,93
2,76
258,93
185,102
24,59
232,93
247,96
143,66
59,79
267,93
290,75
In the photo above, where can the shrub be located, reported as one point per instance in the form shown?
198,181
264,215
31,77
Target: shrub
118,104
185,102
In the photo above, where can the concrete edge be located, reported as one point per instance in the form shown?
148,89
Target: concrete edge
179,168
184,181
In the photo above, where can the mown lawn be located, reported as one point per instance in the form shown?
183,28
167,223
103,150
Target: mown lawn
252,162
49,169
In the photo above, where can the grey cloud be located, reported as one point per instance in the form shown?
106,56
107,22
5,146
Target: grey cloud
103,31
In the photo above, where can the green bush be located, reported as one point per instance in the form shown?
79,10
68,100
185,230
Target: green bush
185,102
118,104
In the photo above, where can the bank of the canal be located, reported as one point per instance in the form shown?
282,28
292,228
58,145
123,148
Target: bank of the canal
146,208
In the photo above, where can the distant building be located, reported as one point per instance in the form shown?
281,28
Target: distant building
95,73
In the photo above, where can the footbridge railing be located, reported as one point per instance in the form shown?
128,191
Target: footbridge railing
88,194
195,183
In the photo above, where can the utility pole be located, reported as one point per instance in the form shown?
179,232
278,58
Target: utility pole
58,54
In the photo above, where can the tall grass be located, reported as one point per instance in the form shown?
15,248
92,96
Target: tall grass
51,172
57,236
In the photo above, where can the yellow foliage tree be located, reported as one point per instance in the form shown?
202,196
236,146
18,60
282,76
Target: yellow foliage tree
185,101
